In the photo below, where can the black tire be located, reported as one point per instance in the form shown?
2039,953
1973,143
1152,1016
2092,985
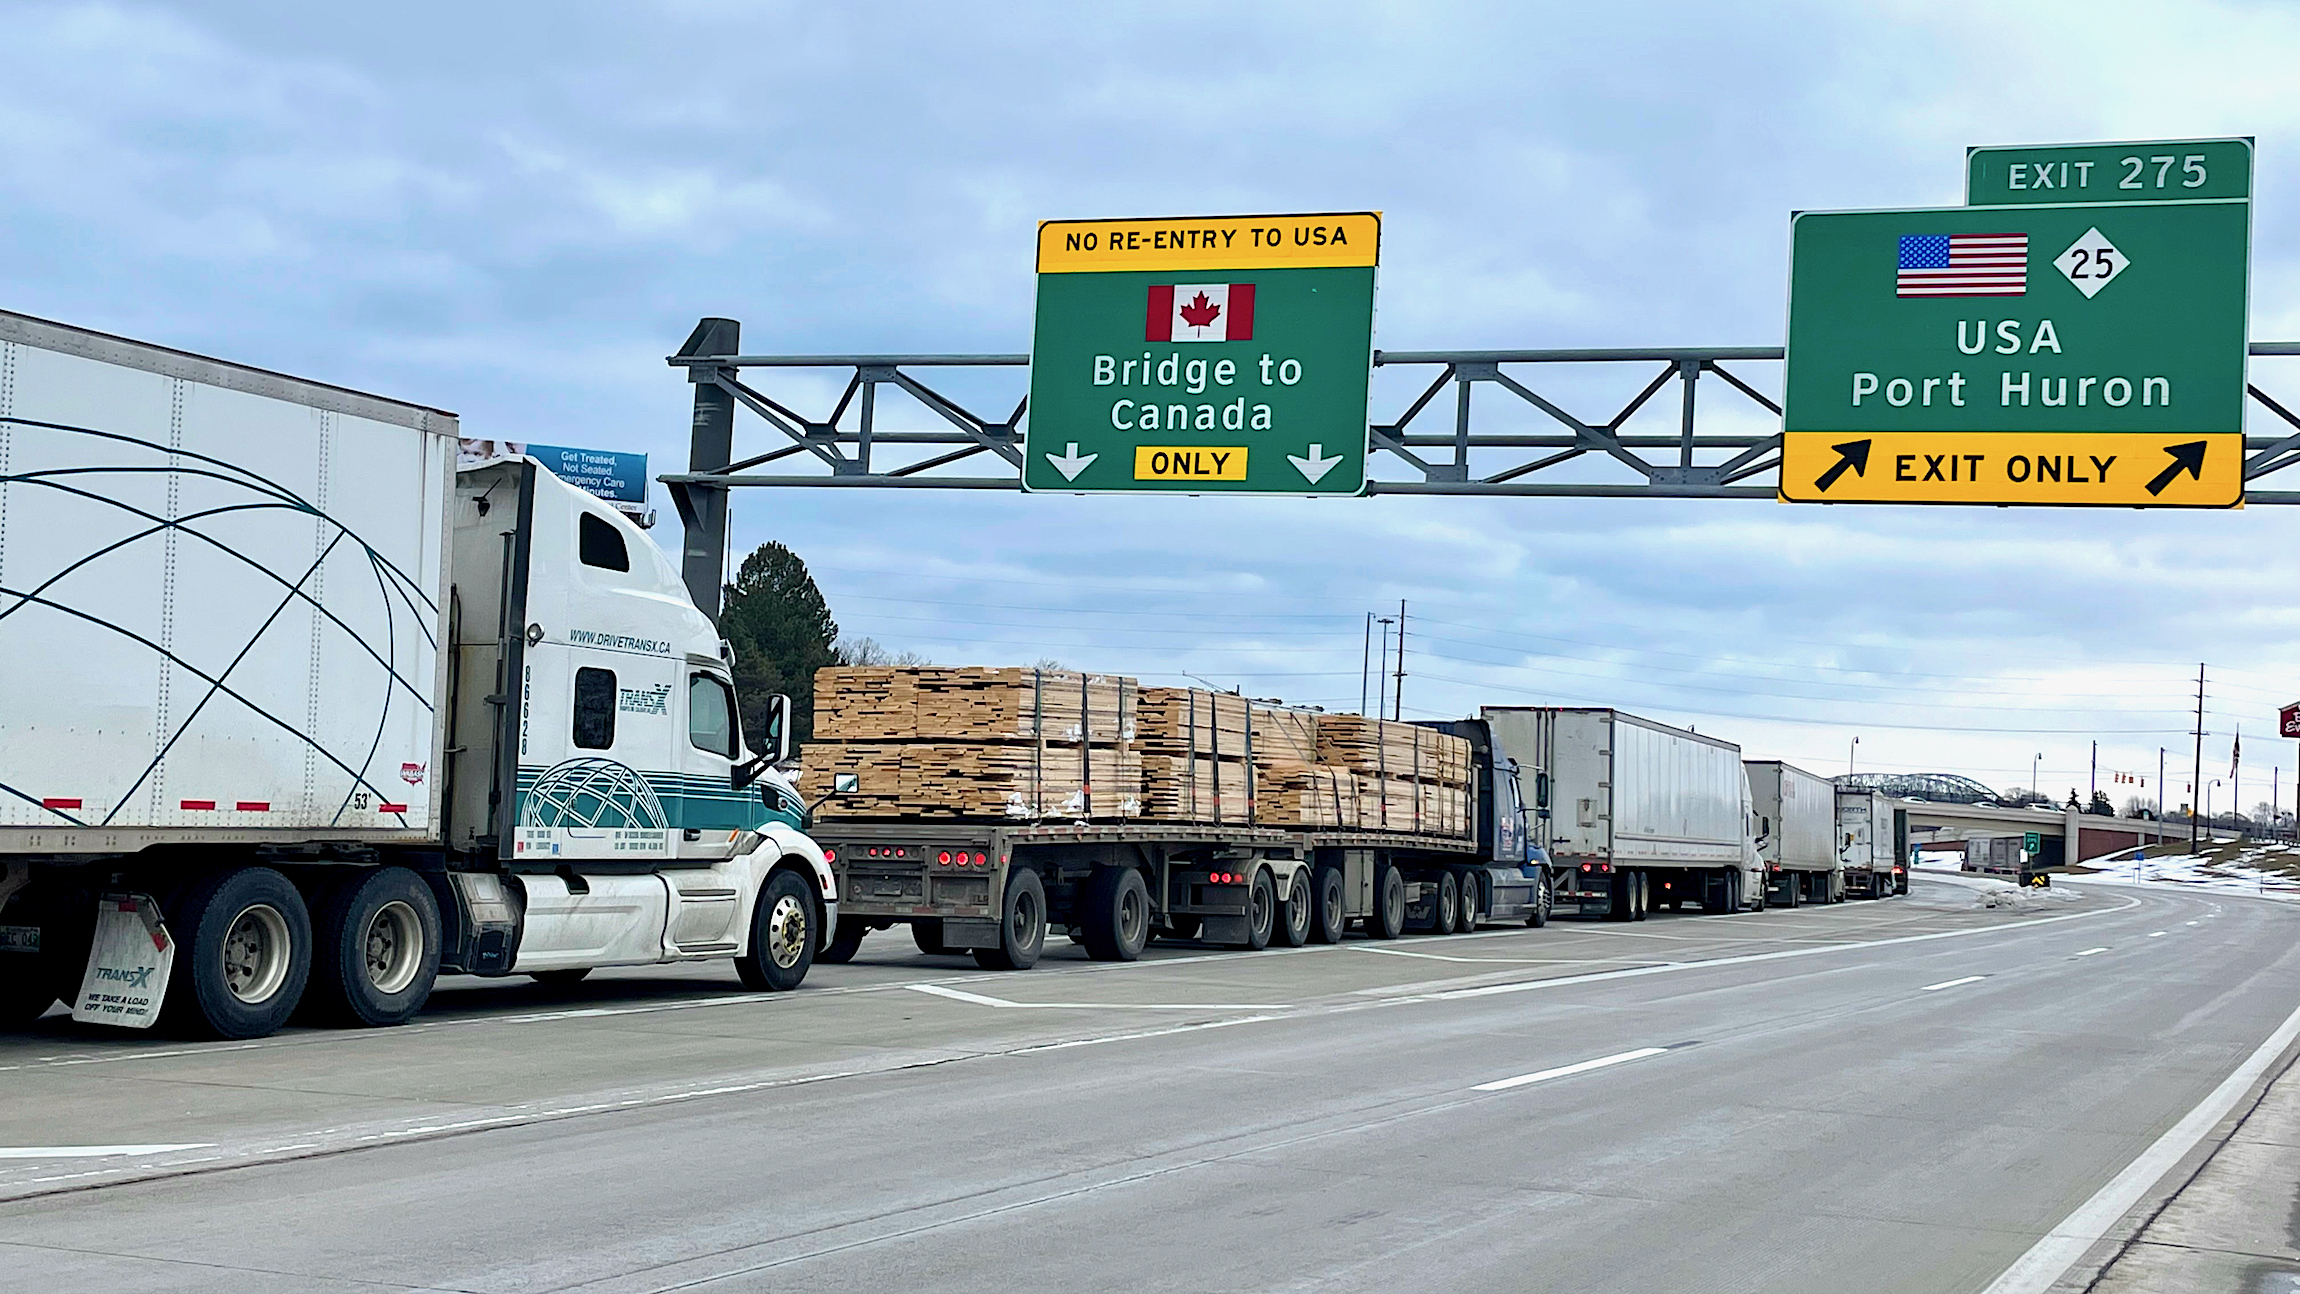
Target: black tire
1793,891
1021,925
1539,917
1642,886
30,982
243,956
926,932
1621,897
1445,914
375,948
1117,915
1261,909
1297,914
1332,914
782,943
560,979
1469,905
25,997
1388,919
844,940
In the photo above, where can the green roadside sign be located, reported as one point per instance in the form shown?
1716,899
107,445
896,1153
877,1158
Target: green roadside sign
1203,355
2074,336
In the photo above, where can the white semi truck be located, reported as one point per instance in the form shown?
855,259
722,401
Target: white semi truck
295,712
1872,842
1796,834
1637,815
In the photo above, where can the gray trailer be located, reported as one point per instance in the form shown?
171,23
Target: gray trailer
1872,843
1634,815
1796,834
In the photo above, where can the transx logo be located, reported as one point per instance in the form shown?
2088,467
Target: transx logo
133,977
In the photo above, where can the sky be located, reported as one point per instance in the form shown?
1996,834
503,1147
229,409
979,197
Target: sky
515,211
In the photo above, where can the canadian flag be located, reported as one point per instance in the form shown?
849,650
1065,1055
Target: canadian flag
1201,312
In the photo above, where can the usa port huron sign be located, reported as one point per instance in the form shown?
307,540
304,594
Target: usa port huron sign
2074,335
1203,355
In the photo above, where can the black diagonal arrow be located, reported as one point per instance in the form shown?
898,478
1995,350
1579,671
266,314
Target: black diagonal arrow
1853,454
2187,458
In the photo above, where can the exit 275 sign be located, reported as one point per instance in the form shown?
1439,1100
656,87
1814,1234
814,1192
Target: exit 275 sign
1225,354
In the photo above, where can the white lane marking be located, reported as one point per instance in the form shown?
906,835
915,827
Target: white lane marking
2192,923
978,999
2042,1266
1421,992
96,1152
2090,951
1503,961
2156,934
1583,1067
1952,983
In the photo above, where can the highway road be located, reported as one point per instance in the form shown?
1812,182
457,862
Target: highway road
1909,1095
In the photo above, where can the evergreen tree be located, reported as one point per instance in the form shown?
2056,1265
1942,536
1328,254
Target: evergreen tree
782,632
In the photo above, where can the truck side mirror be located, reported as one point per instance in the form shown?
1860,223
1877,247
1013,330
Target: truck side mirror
1541,791
778,733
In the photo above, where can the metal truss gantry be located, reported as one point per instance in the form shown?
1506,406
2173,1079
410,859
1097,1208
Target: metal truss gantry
846,446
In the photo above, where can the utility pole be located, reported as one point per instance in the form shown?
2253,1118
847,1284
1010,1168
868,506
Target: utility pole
1398,693
1850,751
2032,774
1382,674
2198,784
2095,789
2160,790
1366,664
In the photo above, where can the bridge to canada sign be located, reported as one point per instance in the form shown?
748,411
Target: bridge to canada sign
2074,335
1203,355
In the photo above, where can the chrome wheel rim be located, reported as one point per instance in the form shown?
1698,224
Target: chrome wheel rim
256,954
787,931
394,947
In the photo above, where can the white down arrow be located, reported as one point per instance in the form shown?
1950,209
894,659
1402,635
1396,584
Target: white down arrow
1070,462
1316,465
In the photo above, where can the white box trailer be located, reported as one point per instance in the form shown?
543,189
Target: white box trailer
1796,834
1633,814
289,700
1872,842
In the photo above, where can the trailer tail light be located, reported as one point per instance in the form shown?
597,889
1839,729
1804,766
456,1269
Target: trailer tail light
943,859
830,855
982,860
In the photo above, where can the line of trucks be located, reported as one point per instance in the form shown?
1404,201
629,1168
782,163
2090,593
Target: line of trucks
303,705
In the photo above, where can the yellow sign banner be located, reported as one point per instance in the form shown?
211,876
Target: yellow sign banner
2064,468
1189,463
1198,243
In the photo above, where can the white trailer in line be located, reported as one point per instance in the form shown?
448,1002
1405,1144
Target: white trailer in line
1634,815
1796,834
1872,843
293,710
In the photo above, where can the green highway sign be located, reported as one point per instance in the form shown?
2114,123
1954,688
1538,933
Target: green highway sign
2072,350
1226,354
2032,841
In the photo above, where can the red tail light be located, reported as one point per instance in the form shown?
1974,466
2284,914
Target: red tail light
830,855
982,860
943,858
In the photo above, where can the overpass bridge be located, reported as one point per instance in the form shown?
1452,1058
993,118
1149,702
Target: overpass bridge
2067,835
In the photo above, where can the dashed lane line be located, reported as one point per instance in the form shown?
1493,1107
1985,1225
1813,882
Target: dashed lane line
1567,1071
1952,983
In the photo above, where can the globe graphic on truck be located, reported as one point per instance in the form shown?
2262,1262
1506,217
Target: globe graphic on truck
597,794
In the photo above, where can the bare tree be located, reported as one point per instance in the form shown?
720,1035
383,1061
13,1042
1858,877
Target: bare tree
869,651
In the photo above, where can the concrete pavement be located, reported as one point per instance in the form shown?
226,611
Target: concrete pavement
1903,1094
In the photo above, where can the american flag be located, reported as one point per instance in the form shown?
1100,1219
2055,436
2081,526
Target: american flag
1963,265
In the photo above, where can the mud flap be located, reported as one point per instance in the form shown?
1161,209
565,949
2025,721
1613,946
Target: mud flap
128,965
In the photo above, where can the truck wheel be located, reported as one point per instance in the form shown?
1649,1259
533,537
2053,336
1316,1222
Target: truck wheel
847,937
557,980
1297,913
1642,886
1331,915
927,934
1117,915
782,936
1539,917
1261,910
1469,907
1447,917
1388,919
1021,927
1621,897
244,954
375,948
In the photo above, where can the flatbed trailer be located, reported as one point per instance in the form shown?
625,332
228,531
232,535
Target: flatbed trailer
991,889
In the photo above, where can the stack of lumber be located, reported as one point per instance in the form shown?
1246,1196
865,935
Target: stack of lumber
931,741
1033,745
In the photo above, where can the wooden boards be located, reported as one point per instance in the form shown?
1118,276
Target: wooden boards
1057,745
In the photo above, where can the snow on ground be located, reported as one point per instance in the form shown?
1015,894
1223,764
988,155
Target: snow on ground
2225,866
1996,892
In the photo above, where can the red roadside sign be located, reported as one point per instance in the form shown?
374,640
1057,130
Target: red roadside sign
2288,720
